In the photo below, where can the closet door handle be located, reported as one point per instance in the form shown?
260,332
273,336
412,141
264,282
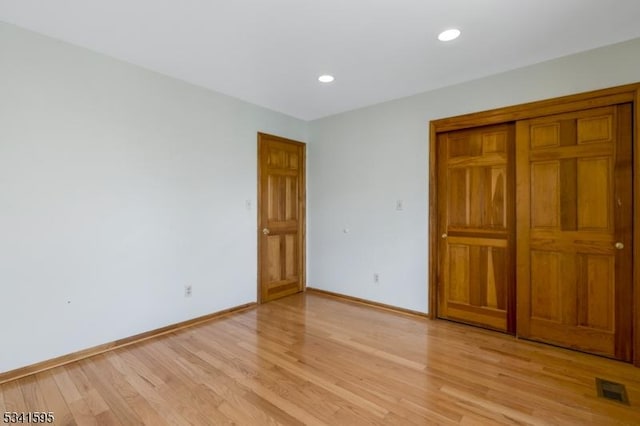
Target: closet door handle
444,236
619,245
266,231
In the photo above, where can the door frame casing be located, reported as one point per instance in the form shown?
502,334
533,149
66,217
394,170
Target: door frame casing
605,97
302,203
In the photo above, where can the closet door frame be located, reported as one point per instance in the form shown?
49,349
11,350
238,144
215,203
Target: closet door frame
599,98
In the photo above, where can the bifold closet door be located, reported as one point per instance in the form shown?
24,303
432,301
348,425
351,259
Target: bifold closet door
475,220
574,232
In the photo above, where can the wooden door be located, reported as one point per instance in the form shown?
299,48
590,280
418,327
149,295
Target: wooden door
574,198
476,225
281,221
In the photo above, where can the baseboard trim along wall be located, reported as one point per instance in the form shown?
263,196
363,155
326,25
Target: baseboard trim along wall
369,303
96,350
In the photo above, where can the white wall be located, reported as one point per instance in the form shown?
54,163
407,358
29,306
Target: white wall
118,186
361,162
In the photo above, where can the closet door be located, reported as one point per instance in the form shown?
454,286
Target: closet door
574,214
475,217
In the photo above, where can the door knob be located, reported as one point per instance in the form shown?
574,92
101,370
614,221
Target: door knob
266,231
444,236
619,245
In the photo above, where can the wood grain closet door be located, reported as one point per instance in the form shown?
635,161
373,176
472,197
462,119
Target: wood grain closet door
475,220
281,203
574,205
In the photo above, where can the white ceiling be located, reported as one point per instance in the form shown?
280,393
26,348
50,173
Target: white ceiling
270,52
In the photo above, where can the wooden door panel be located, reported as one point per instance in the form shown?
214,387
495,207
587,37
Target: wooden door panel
476,274
477,197
595,129
546,296
458,274
281,217
283,198
545,135
596,304
291,259
475,264
570,194
545,185
282,274
274,262
594,201
457,199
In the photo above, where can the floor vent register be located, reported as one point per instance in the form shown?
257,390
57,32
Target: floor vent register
612,390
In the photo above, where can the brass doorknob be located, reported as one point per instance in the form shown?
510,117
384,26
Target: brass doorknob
266,231
444,236
619,245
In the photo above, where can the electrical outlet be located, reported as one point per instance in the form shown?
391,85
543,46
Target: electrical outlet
247,204
376,278
187,291
399,205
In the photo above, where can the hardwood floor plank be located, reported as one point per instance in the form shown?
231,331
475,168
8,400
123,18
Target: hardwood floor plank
319,380
32,395
109,418
243,377
78,407
53,400
337,397
500,410
194,400
82,413
122,392
312,359
251,377
363,382
66,385
13,397
430,413
91,397
268,376
148,384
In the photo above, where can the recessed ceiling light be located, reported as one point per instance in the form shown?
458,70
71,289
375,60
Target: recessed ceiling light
449,35
326,78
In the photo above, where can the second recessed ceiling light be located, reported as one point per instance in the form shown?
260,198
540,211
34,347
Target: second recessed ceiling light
449,35
326,78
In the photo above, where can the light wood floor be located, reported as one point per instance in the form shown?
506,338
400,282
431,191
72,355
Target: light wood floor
311,359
